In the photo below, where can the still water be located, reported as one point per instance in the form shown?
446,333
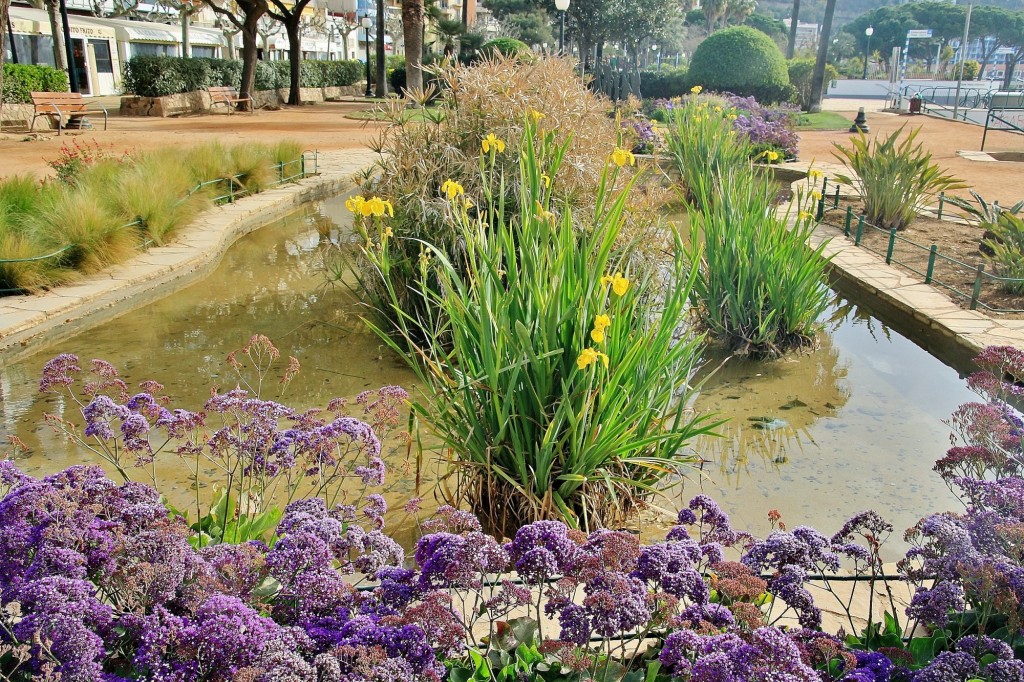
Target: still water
818,436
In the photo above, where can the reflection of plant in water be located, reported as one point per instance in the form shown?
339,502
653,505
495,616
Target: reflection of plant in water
845,309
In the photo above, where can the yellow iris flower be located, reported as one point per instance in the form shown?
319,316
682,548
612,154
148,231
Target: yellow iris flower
355,204
589,356
804,215
619,283
696,89
620,157
452,189
492,142
536,115
601,322
816,195
376,206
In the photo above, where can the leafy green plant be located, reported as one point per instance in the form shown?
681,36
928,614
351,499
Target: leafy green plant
743,61
701,141
760,287
894,175
982,212
800,76
1007,249
554,374
225,523
21,80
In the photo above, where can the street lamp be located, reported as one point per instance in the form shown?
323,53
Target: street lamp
366,23
654,48
561,6
869,31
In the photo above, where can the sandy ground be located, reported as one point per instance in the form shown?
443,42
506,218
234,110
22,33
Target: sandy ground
322,126
994,180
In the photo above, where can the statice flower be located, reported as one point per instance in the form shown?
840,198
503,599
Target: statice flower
373,473
461,561
671,567
872,666
616,603
58,372
948,666
65,615
542,550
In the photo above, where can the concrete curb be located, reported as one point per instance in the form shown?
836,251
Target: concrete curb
922,306
28,321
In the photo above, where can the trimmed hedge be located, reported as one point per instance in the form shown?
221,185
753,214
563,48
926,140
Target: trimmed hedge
153,76
509,47
20,80
801,71
743,61
664,84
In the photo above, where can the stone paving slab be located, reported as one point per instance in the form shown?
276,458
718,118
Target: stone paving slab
28,321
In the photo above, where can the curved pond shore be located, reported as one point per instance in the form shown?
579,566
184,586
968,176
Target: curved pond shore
31,320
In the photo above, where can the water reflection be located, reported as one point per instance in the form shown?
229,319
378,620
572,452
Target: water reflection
821,435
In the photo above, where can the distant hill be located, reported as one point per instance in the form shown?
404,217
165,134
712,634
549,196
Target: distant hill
847,10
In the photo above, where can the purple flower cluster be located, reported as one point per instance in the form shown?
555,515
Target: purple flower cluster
643,134
765,653
766,127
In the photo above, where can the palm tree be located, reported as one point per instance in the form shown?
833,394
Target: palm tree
449,31
793,20
412,28
818,78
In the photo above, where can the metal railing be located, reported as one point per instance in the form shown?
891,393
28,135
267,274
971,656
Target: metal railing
234,188
935,269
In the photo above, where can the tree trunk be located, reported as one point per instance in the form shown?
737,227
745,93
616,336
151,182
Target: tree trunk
5,6
186,42
818,79
249,36
794,19
382,65
60,57
294,30
412,27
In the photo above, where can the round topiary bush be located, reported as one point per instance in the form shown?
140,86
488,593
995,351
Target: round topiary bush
510,47
743,61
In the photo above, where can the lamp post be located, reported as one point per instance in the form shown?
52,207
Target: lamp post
869,31
654,48
561,6
366,22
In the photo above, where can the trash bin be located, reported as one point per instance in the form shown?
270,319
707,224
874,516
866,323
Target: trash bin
915,104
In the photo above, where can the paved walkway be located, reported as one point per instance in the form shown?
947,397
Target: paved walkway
64,311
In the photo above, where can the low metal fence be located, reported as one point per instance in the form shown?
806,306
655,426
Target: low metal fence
233,189
935,268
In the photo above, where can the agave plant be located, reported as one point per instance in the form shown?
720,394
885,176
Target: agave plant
893,176
984,213
1005,250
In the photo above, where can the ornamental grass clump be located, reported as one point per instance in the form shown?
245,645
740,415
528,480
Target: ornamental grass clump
894,177
101,208
1006,247
759,287
554,374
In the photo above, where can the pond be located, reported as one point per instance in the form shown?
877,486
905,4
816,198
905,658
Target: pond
855,424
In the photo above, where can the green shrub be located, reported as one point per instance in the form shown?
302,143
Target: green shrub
894,176
743,61
20,80
664,84
1007,251
983,213
508,47
760,288
151,76
558,391
971,68
801,71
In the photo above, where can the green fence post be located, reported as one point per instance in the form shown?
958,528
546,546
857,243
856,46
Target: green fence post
302,164
977,286
892,245
835,204
824,185
860,231
931,263
942,200
849,219
231,190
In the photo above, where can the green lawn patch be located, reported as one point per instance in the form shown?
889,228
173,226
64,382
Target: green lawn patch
825,120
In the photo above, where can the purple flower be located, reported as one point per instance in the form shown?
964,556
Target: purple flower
949,666
616,603
58,371
543,549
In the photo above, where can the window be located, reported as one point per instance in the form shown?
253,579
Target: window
101,48
156,49
31,49
200,51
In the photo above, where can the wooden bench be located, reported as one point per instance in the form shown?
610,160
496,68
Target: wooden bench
62,108
227,95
